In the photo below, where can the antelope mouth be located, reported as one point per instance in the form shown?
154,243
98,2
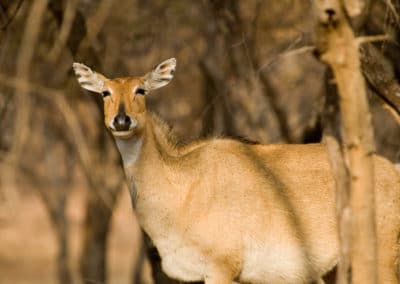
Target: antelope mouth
122,133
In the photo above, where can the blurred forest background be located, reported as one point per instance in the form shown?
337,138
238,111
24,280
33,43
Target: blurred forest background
245,68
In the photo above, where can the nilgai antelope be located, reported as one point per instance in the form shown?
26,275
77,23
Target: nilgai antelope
220,210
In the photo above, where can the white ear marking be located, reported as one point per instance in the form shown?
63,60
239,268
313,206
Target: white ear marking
89,79
161,74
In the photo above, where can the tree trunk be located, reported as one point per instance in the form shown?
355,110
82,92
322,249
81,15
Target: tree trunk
96,228
248,97
333,141
338,47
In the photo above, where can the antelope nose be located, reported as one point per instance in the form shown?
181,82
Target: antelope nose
122,122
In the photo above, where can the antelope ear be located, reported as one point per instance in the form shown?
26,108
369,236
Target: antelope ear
161,75
88,79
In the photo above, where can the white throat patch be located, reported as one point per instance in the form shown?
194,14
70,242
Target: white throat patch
129,150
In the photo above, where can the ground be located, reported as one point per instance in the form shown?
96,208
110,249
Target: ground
28,246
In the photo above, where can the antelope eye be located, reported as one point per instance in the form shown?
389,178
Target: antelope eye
106,94
140,91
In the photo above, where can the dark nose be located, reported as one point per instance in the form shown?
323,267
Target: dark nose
122,122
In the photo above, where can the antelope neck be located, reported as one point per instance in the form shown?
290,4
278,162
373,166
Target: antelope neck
155,143
129,149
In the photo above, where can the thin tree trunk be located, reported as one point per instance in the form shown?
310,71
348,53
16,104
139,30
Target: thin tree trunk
63,269
101,197
332,140
55,206
339,48
248,98
96,228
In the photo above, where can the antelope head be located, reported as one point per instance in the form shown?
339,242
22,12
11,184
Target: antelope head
124,98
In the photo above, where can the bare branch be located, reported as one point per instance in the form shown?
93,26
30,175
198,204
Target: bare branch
22,99
12,16
333,142
394,114
298,51
72,124
365,39
68,19
380,76
393,10
97,21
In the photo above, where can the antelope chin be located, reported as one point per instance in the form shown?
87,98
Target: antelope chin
123,134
